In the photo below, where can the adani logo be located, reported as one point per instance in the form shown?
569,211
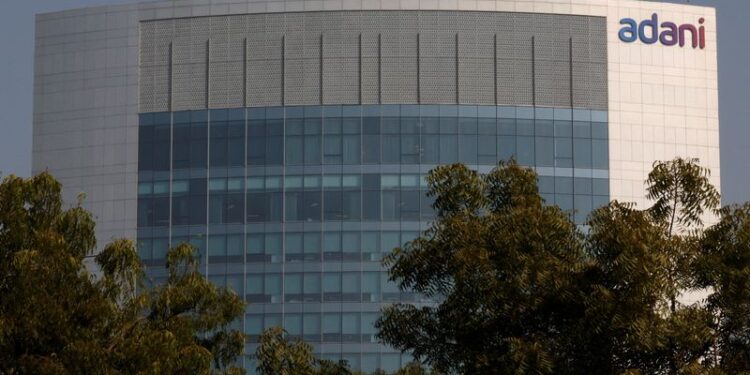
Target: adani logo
651,31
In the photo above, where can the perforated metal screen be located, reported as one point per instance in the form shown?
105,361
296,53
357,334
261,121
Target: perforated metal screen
370,57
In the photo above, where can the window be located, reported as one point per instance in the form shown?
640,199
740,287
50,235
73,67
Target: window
312,289
371,140
312,244
294,142
525,150
350,287
545,152
190,143
311,327
293,325
350,246
371,197
312,141
331,327
350,327
293,246
600,154
332,141
293,291
468,140
448,140
371,286
368,327
217,246
351,150
272,288
254,289
486,142
582,153
332,287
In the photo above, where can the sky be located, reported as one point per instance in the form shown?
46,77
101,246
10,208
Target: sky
17,69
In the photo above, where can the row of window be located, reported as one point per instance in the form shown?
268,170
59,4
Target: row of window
374,110
342,197
333,182
315,327
541,143
317,206
370,135
315,287
290,246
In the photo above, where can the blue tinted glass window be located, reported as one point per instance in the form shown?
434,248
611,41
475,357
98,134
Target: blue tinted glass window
581,129
371,140
546,184
256,142
161,147
563,152
525,150
600,154
544,128
311,327
563,185
310,186
582,153
190,143
524,127
430,141
599,130
448,140
582,185
600,186
545,152
293,324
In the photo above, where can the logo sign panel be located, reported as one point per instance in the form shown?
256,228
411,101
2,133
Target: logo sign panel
651,31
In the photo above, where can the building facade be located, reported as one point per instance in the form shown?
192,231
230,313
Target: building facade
289,140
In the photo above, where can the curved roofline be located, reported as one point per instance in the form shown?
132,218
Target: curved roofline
154,10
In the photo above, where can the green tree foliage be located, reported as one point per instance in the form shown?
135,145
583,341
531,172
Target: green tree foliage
57,318
503,266
279,356
521,289
724,266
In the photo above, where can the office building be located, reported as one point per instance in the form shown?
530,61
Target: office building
289,140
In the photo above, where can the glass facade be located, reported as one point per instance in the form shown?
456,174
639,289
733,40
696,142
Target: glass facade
293,207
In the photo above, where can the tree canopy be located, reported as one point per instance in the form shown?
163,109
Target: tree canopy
517,287
58,318
279,356
520,288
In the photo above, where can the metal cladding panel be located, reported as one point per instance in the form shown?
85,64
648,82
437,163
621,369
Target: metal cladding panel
437,67
399,68
370,72
264,69
341,68
475,68
370,57
155,65
190,64
227,67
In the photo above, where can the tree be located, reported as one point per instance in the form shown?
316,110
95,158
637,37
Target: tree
278,356
682,195
57,318
521,289
724,267
503,266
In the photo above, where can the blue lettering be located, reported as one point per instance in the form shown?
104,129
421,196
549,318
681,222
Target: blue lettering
653,24
629,33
